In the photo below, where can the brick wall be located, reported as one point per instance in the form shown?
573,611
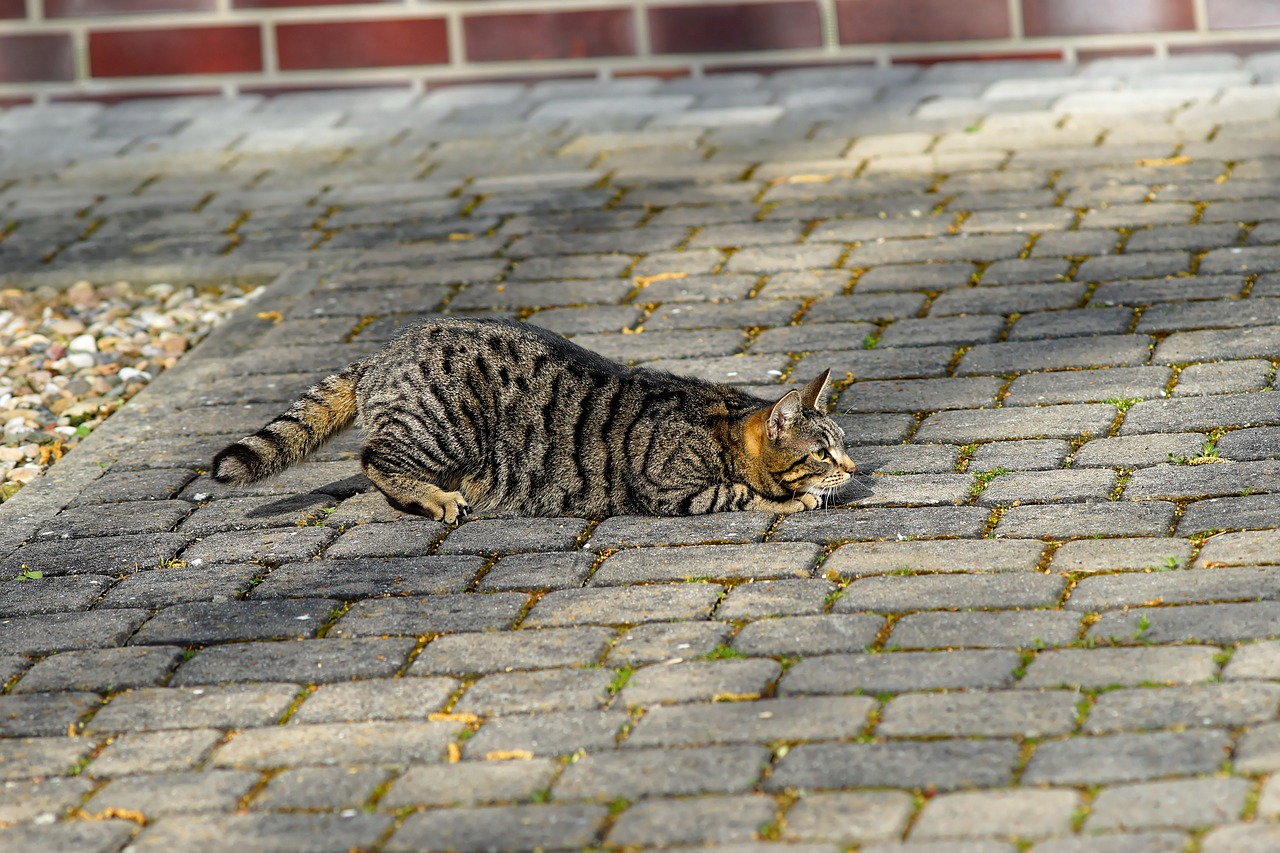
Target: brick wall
52,49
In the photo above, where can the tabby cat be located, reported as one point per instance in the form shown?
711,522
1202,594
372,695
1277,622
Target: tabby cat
500,416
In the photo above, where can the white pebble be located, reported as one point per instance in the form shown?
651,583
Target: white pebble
82,343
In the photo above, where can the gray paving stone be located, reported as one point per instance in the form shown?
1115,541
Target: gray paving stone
974,425
1223,705
1256,443
1242,513
809,635
359,743
171,751
1001,814
57,632
985,713
899,671
213,622
1100,555
721,820
301,661
1033,487
1093,386
1013,629
538,571
916,395
369,577
537,692
102,555
549,734
255,512
839,525
761,721
1245,838
624,605
905,594
28,758
1020,455
983,555
699,681
943,765
469,783
44,714
503,652
637,773
27,596
437,614
374,699
927,331
1136,451
1213,623
510,535
156,588
528,827
1070,322
1110,667
136,517
662,641
1106,518
1175,587
1026,356
856,817
778,560
629,531
173,793
1147,291
230,706
906,458
270,545
1172,481
42,800
408,537
1254,660
757,599
1126,757
100,670
1249,548
1217,345
327,788
79,836
305,833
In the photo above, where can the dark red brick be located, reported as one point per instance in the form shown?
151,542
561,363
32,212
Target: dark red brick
1239,48
1083,56
1235,14
548,35
989,56
119,97
101,8
36,58
362,44
13,9
710,29
1099,17
193,50
879,21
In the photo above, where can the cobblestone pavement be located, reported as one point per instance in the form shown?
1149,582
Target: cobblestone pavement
1051,296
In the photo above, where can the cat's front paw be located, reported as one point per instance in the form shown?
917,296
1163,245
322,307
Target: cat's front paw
809,501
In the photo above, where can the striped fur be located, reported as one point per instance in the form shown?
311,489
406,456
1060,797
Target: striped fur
495,416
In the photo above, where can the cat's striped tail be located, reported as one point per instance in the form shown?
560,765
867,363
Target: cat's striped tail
321,412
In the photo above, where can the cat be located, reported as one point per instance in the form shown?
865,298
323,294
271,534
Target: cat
497,416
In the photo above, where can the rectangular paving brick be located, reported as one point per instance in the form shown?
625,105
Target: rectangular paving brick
637,773
1007,299
505,651
527,827
1016,629
700,681
537,691
983,555
972,425
397,743
762,721
630,531
1024,356
899,594
199,623
893,672
1130,554
231,706
1202,705
370,577
773,560
839,525
97,555
1102,518
1126,757
942,764
55,632
1217,344
468,783
919,395
1241,513
624,605
989,714
1088,386
1206,623
301,662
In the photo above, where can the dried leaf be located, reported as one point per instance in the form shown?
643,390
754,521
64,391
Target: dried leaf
508,755
1180,160
441,717
114,814
646,280
274,316
458,235
455,753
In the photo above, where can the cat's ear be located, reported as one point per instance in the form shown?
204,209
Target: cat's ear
814,394
783,414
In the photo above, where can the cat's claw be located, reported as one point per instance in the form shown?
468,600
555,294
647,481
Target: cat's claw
452,507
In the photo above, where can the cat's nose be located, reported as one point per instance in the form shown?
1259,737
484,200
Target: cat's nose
845,463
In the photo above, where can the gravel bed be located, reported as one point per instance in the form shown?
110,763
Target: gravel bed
69,358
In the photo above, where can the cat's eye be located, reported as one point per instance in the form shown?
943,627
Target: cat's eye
820,455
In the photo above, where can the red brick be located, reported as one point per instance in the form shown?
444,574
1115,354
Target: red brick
709,29
100,8
328,86
121,96
1083,56
1234,14
194,50
362,44
1239,48
36,58
5,103
880,21
13,9
1099,17
549,35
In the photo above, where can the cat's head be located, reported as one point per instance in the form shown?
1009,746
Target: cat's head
796,447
